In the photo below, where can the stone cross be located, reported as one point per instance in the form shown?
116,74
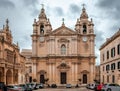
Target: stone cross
83,5
63,20
42,5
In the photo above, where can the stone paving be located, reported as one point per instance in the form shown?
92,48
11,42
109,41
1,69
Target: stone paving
64,89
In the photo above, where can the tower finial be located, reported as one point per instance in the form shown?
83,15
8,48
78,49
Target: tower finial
17,43
3,26
42,14
42,6
84,14
63,21
7,21
7,26
83,5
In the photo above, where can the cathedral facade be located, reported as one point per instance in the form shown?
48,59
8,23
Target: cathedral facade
63,55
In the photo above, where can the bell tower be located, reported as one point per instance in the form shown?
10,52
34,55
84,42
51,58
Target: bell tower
41,28
83,25
85,30
86,45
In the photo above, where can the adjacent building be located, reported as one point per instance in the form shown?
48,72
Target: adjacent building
63,55
27,53
11,62
110,59
97,73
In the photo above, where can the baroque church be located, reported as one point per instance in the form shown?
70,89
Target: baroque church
12,63
63,55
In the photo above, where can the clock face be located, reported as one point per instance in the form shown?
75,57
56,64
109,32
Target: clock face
84,38
42,39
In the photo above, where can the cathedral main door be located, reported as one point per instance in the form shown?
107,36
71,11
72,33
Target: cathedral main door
63,77
42,79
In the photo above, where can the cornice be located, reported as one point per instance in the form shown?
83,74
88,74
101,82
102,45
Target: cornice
109,40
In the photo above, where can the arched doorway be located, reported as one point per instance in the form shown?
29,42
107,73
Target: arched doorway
42,76
63,77
9,77
63,68
84,78
42,79
0,76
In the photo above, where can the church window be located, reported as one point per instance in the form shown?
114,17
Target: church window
63,49
42,29
118,49
113,79
113,52
84,29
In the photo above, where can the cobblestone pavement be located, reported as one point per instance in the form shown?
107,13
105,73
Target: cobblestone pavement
64,89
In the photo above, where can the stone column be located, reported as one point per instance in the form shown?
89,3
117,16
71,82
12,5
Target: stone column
19,76
4,75
92,45
72,73
50,73
34,75
53,70
34,47
76,72
91,78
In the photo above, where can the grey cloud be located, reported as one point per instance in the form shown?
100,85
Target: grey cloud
108,4
58,11
32,6
30,2
24,41
6,4
35,12
99,39
74,9
110,8
99,35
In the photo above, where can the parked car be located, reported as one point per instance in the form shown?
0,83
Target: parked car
91,86
30,85
14,88
68,86
41,85
25,87
53,86
98,87
111,87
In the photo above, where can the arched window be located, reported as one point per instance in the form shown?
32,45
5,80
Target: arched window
63,49
84,29
42,29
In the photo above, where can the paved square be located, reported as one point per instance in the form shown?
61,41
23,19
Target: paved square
63,89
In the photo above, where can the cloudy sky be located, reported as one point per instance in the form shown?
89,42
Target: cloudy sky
21,14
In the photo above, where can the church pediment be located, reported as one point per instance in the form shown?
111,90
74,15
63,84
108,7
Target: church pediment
63,31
